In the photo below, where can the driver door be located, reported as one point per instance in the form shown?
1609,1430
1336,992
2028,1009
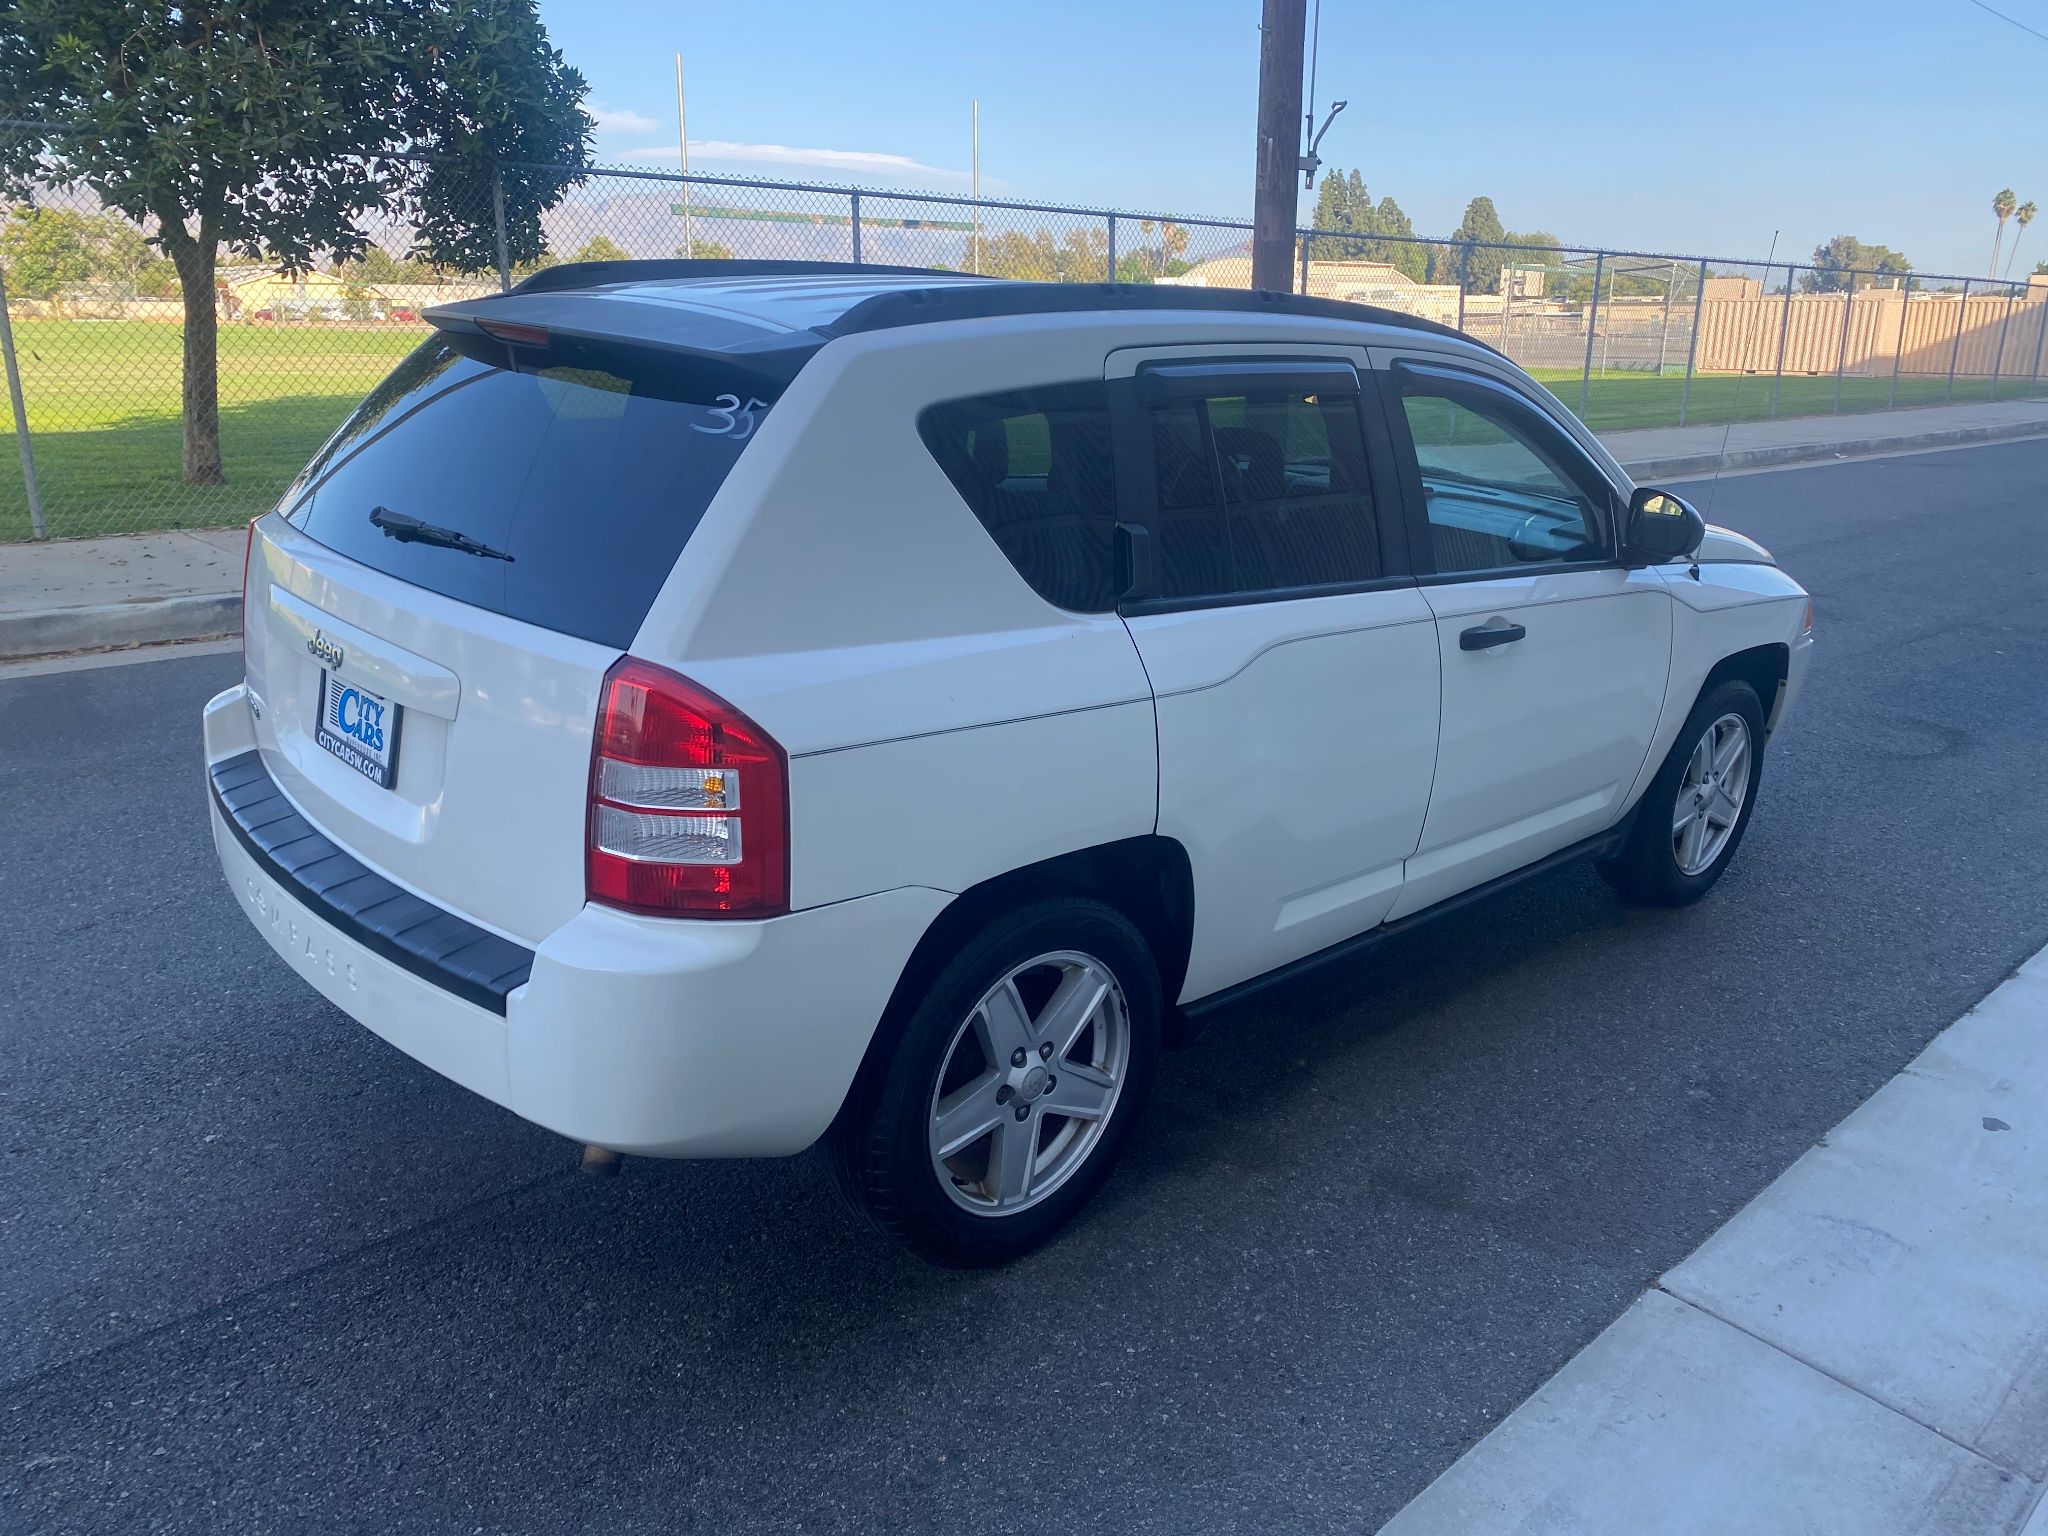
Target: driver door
1554,655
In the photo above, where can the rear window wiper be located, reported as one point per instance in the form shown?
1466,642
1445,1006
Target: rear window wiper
410,530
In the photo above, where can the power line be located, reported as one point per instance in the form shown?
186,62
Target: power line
2003,17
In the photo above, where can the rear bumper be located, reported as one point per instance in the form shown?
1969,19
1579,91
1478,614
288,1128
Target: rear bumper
661,1037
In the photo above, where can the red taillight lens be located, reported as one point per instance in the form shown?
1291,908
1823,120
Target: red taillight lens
515,333
689,802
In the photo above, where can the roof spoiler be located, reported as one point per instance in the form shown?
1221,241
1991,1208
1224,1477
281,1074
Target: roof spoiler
528,327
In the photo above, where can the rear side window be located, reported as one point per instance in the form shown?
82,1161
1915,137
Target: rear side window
1262,491
1034,465
586,473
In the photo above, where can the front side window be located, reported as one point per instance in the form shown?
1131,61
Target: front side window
1034,465
1500,484
1262,491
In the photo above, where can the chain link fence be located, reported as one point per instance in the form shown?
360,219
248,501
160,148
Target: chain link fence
95,322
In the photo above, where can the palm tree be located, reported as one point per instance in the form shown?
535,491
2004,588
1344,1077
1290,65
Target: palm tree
2002,205
1173,243
2022,216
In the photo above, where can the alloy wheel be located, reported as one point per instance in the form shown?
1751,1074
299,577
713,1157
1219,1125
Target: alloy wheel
1028,1083
1710,795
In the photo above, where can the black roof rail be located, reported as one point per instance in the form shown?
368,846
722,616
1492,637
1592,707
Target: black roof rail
566,275
956,296
981,301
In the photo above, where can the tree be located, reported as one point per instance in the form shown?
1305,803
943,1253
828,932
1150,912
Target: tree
599,248
119,250
1173,245
380,266
705,250
1481,226
2002,206
45,249
1343,207
1083,257
1396,245
157,278
1833,262
269,125
1543,251
357,302
2022,216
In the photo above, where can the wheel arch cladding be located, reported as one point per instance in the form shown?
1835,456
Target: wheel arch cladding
1148,879
1764,668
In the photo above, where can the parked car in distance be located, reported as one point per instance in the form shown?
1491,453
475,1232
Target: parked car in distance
706,707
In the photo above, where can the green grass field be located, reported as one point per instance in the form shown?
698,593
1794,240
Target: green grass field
103,411
103,408
1616,402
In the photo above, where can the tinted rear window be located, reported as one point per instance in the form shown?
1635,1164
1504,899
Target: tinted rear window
590,472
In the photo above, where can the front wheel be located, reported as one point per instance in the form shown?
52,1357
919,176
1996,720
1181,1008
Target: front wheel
1012,1088
1695,811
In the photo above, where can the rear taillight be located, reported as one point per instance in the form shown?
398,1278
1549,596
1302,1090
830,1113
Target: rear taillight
689,802
248,552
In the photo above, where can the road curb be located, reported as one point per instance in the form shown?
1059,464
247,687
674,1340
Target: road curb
1863,1346
113,626
1791,454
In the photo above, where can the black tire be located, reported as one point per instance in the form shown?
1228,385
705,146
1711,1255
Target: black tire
1647,869
880,1144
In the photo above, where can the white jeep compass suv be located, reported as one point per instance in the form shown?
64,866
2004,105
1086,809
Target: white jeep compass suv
708,706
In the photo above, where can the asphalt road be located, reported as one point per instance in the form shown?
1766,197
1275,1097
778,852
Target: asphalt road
260,1272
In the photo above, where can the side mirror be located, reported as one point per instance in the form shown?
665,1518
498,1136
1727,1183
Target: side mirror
1661,527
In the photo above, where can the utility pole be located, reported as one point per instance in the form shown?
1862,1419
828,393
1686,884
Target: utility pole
683,144
975,157
1281,28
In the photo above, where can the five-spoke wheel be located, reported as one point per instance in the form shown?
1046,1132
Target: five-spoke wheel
1711,794
1691,817
1029,1081
1009,1083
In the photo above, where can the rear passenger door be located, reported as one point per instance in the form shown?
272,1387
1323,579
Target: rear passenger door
1292,659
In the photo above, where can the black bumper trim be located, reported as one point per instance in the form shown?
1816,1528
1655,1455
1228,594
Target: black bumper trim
435,945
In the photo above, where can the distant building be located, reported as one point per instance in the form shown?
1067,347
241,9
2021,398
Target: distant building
406,301
1355,282
1733,288
264,293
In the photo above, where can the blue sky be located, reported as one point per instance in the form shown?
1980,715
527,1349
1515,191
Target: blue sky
1699,129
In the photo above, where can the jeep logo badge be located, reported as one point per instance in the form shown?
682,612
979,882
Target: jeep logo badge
325,650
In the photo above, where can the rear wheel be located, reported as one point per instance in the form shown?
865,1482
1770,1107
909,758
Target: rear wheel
1013,1086
1695,811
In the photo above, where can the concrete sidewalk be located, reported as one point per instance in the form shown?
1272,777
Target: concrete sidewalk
152,588
134,589
1660,453
1864,1347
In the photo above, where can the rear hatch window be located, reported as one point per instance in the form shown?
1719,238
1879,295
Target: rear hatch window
557,491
